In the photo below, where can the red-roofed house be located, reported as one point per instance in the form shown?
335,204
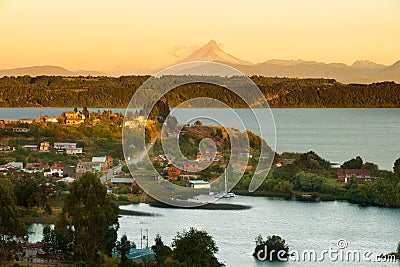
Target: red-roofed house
362,175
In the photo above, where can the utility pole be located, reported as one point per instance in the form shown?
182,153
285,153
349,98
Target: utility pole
147,238
144,237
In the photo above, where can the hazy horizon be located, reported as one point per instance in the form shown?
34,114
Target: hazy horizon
140,36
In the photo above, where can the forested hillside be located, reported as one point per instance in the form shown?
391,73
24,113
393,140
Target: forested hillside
56,91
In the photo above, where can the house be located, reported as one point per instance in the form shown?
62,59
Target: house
52,120
95,122
14,165
5,148
74,118
190,176
70,171
160,159
44,146
56,171
362,175
284,162
74,151
110,160
103,161
83,167
173,172
20,130
129,124
116,182
246,155
36,166
191,166
64,146
31,147
136,122
26,121
67,180
198,184
208,154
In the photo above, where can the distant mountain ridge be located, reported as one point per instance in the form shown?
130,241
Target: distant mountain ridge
46,70
362,71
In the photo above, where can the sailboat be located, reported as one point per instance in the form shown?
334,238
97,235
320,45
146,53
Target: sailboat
225,193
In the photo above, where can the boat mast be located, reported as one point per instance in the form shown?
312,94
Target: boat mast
226,184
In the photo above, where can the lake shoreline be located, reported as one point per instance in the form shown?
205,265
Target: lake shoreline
314,198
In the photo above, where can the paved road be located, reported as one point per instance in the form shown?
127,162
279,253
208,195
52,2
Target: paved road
110,173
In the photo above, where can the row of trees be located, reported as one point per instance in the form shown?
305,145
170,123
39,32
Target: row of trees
117,92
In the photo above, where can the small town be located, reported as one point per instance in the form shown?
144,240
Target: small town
199,134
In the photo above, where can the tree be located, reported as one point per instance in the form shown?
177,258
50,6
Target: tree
308,182
198,123
355,163
273,249
195,248
370,166
398,248
125,168
12,231
313,161
283,187
396,168
92,216
162,252
85,112
123,247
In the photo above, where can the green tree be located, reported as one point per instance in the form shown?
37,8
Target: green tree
355,163
125,168
93,216
195,248
370,166
396,168
123,247
283,187
12,231
162,251
308,182
272,249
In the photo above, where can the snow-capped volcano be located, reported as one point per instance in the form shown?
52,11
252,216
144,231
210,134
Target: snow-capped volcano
212,52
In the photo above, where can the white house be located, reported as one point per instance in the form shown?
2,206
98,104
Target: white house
99,159
198,184
15,165
57,170
74,151
64,145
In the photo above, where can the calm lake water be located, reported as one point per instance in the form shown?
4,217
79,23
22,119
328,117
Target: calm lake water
305,226
335,134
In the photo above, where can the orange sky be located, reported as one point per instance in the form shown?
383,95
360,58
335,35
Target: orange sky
127,36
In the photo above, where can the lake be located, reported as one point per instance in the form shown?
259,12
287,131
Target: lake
304,226
335,134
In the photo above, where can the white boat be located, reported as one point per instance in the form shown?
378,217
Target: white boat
225,193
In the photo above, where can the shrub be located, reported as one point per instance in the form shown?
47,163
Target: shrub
272,249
